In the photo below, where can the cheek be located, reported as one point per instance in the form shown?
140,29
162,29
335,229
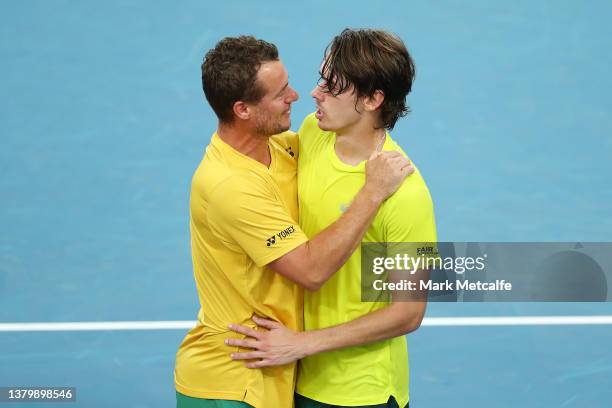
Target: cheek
344,109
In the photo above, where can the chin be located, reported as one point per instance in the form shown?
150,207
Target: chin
283,128
324,126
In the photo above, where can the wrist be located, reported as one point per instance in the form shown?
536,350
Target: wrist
310,343
373,193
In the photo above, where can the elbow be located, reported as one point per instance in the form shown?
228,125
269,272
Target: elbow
311,287
313,276
412,324
313,283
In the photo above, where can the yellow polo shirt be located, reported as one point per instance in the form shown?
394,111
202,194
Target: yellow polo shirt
366,374
243,216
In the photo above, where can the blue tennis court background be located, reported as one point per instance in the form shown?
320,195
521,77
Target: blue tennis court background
103,122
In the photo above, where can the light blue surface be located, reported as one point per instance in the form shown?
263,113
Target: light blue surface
103,122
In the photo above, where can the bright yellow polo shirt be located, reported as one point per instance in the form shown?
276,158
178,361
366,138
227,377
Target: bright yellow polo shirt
243,216
368,374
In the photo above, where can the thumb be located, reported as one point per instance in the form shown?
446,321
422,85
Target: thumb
374,155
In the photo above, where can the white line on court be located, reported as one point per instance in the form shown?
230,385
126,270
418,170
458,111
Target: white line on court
92,326
517,321
428,321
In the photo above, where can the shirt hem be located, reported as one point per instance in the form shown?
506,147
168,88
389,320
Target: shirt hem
348,402
235,396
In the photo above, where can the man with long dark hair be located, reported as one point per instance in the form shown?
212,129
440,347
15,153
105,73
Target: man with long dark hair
352,353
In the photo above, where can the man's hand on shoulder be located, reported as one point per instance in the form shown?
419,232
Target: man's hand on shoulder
385,171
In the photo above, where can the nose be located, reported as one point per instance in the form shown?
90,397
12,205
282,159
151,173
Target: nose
293,95
316,93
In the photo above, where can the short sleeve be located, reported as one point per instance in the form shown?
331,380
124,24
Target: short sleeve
410,233
409,221
410,217
247,212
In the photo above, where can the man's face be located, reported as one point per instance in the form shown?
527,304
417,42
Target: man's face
273,112
335,113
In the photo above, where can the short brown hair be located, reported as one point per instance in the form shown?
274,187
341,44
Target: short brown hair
229,72
371,60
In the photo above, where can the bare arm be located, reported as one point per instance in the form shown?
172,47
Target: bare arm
315,261
402,316
279,345
394,320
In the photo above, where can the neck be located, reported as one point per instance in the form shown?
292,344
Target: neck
246,141
357,142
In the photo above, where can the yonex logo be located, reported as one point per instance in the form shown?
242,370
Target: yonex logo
290,152
271,240
282,235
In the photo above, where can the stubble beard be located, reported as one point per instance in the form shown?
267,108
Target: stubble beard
266,125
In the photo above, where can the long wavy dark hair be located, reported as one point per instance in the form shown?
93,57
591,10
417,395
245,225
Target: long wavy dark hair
370,60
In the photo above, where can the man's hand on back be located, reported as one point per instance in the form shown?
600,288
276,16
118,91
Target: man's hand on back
273,346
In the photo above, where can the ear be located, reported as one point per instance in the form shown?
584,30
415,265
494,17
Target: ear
242,110
371,103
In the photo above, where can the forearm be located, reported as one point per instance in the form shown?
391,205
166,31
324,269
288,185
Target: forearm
315,261
394,320
279,345
330,248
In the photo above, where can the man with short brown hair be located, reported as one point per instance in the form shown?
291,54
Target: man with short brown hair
249,254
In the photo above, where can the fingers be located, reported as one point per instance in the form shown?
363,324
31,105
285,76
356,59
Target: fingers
250,355
247,331
392,158
259,364
390,154
245,343
408,170
400,166
253,355
384,155
268,324
399,162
